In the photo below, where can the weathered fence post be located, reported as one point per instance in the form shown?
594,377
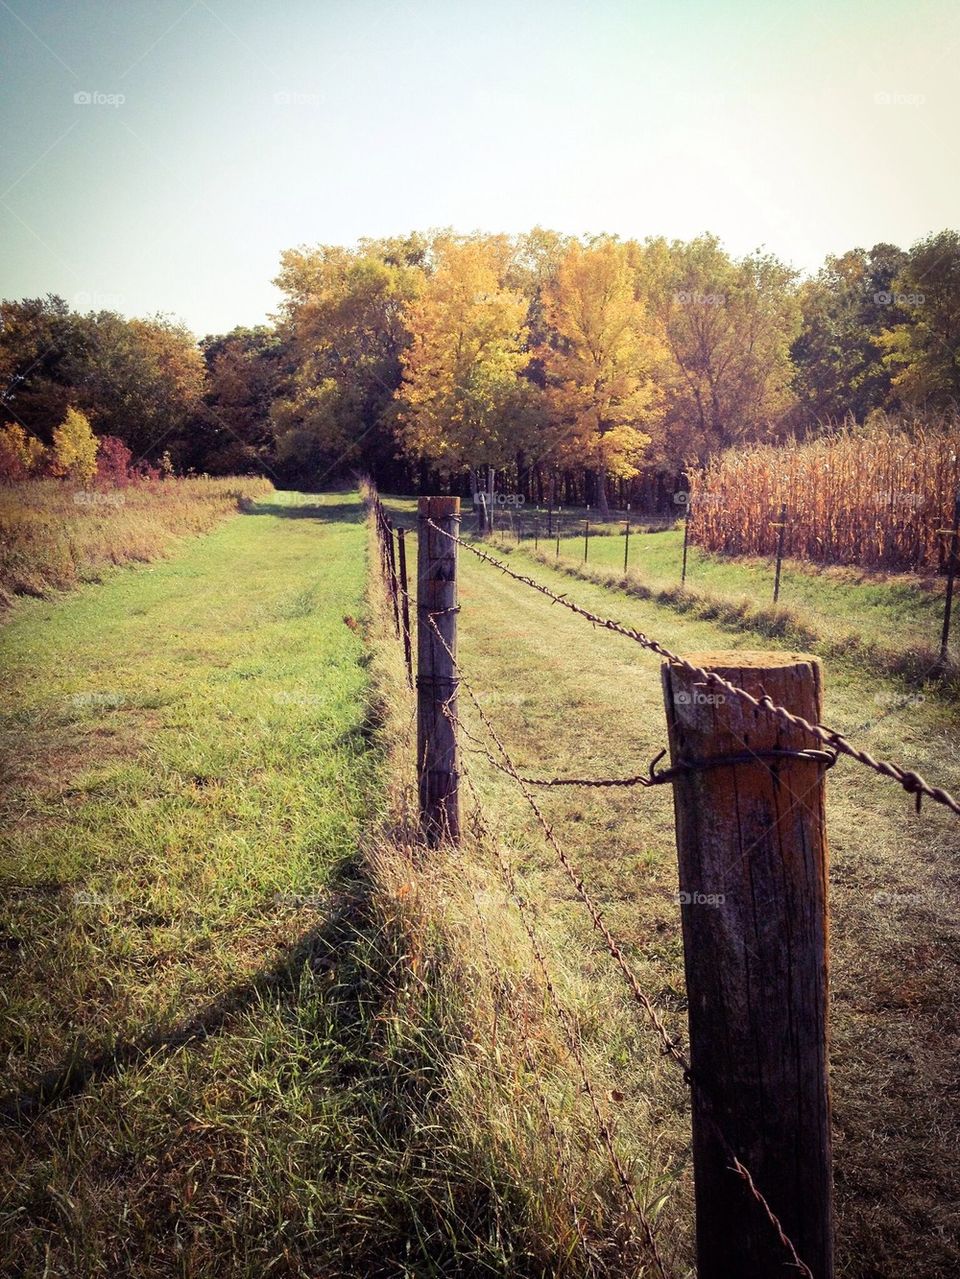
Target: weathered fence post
782,526
438,762
752,852
586,540
392,574
686,540
405,601
951,574
626,546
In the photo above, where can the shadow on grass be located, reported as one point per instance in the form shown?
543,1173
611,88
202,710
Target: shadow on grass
344,512
77,1071
437,1210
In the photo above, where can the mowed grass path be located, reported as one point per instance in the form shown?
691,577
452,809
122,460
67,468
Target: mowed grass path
188,771
570,700
185,758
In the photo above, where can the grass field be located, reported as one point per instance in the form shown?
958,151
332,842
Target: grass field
892,620
55,535
245,1033
570,700
203,1067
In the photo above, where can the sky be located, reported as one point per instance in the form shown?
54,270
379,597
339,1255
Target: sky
159,155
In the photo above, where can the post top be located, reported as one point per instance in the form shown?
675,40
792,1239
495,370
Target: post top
750,658
438,507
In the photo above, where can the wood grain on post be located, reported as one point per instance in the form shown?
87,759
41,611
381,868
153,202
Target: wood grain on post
753,862
437,757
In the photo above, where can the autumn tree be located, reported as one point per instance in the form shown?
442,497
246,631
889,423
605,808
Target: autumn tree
245,369
21,454
463,403
728,325
839,356
343,320
601,363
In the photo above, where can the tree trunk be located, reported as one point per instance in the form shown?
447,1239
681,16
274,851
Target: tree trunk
601,486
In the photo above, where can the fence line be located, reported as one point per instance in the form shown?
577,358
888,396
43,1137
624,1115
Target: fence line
670,1047
908,779
837,744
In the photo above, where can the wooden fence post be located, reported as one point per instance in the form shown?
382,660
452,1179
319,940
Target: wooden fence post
951,573
686,540
405,601
392,575
586,540
782,526
752,850
626,546
438,763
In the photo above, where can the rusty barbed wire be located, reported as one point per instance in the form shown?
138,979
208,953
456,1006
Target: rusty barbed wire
908,779
670,1047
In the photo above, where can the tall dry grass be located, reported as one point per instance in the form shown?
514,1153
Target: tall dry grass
872,496
55,535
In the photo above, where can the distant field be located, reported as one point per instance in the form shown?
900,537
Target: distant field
575,701
899,612
55,535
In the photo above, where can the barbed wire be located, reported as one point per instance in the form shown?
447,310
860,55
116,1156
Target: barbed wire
669,1045
670,1048
908,779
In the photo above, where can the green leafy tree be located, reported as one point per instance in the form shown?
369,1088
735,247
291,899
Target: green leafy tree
922,352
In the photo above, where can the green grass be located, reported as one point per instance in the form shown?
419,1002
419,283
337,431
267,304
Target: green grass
207,1063
892,621
572,700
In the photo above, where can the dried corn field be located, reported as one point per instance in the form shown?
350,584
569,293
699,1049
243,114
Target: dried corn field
874,498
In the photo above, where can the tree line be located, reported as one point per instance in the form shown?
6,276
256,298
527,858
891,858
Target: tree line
581,367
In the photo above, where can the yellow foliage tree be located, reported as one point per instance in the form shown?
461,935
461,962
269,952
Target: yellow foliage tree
75,448
600,359
462,401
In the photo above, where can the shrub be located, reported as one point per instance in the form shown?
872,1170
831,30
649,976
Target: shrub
75,448
20,454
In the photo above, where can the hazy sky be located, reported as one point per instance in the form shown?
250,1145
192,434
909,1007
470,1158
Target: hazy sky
247,127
